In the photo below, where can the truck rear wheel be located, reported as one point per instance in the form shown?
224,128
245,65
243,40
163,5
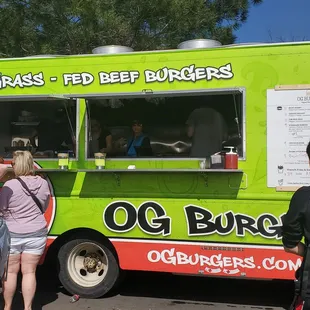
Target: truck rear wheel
87,268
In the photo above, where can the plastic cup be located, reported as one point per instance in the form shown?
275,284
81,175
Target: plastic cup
100,160
63,161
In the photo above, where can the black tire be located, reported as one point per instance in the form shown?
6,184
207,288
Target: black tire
105,286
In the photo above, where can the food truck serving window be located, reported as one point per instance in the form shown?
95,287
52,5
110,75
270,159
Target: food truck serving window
189,125
43,127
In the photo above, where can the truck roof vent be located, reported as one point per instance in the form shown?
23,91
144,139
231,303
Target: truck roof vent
112,49
199,43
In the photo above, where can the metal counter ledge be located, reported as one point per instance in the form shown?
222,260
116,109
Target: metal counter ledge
160,170
137,170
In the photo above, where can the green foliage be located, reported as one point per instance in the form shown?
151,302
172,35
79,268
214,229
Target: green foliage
29,27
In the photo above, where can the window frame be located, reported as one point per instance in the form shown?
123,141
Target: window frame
149,93
49,98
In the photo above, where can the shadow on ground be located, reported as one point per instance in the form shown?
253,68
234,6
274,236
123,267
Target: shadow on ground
178,290
47,291
203,290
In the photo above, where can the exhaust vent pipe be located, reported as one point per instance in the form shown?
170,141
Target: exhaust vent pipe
112,49
199,43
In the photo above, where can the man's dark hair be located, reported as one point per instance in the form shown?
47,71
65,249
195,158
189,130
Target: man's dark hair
308,150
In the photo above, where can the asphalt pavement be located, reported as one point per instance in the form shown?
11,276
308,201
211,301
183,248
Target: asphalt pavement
154,291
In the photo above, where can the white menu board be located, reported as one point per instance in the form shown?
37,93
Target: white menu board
288,134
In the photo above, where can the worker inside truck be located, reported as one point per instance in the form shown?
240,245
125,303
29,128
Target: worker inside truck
42,127
138,143
50,142
208,130
100,139
213,121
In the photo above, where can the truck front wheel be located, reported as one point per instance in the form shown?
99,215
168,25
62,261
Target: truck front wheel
87,268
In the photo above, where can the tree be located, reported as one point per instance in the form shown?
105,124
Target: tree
285,39
31,27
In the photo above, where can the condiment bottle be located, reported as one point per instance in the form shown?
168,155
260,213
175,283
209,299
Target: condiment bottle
231,158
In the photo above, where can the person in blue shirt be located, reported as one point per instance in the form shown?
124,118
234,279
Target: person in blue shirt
138,144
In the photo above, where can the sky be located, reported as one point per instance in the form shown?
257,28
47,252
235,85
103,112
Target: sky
276,21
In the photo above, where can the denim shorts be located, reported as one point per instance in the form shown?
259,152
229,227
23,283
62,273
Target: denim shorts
28,245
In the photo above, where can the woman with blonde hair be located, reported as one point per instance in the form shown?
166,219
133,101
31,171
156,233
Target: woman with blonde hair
23,201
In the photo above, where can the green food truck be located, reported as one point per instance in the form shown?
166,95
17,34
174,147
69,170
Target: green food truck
163,207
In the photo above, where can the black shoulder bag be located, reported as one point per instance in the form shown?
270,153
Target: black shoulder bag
36,200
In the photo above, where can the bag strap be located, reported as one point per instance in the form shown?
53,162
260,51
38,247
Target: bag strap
36,200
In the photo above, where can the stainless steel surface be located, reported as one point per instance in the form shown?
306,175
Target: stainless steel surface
112,49
87,128
163,170
175,142
63,168
55,170
77,128
169,141
170,93
179,145
169,147
246,44
25,123
199,43
100,167
32,97
49,170
169,50
51,97
166,141
137,170
243,123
